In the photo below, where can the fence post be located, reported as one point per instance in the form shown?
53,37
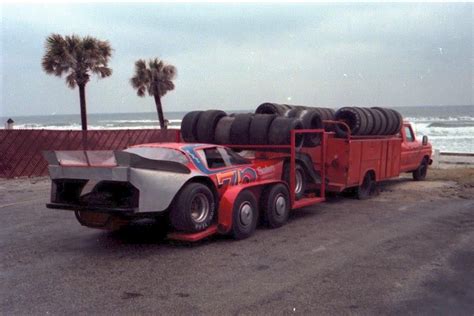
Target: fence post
436,159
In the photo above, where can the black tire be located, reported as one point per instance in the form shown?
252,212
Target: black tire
244,215
240,129
368,187
292,112
184,212
222,133
276,205
420,173
189,126
300,181
206,125
259,127
388,120
311,120
272,108
280,131
379,121
350,116
370,121
399,121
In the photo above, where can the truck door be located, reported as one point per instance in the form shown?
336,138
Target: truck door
410,155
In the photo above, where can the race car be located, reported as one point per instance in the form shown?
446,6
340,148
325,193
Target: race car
187,185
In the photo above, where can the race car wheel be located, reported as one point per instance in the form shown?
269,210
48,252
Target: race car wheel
193,208
420,173
189,126
276,205
240,129
367,188
259,127
222,135
244,215
300,179
280,131
206,125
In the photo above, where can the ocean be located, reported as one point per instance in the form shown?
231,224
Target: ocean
449,128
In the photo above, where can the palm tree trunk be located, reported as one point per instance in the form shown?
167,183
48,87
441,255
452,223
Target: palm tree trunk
159,109
82,99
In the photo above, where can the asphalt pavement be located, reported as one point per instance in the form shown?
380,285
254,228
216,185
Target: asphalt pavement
404,252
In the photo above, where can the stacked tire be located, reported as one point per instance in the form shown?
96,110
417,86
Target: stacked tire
216,126
325,114
368,121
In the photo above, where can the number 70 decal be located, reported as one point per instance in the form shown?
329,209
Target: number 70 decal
234,177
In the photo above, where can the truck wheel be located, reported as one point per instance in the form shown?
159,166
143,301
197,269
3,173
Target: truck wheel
367,188
244,215
193,208
276,205
259,128
222,135
206,125
420,173
300,179
189,126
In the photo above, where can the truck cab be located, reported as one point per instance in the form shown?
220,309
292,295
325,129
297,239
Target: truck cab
415,153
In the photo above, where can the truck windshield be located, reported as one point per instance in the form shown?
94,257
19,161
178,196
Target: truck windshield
159,153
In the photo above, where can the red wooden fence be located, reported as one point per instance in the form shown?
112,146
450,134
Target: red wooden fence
21,150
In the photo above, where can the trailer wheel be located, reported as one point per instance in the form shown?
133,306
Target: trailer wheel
193,208
189,126
244,215
367,188
420,173
300,179
276,205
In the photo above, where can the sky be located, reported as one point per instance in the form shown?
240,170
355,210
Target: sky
236,56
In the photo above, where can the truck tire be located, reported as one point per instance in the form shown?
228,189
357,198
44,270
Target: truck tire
368,187
280,131
311,120
206,125
420,173
300,179
276,205
189,126
222,133
399,121
259,128
244,215
272,108
193,208
388,120
240,129
370,121
352,117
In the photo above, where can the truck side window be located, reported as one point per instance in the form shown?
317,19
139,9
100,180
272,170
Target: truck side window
214,158
409,134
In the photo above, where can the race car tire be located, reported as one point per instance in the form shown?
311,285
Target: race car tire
240,129
280,131
259,127
387,118
272,108
300,179
399,121
206,125
369,120
189,126
311,120
352,117
244,215
193,208
379,122
222,134
275,204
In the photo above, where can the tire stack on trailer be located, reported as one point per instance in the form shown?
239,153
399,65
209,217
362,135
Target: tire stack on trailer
374,121
214,126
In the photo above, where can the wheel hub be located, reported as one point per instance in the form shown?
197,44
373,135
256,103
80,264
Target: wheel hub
246,214
199,208
280,205
298,182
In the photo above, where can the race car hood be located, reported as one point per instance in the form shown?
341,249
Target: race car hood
158,181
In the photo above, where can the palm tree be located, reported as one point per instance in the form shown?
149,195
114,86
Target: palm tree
77,58
156,79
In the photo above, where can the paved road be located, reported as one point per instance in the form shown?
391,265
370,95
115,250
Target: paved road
396,254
